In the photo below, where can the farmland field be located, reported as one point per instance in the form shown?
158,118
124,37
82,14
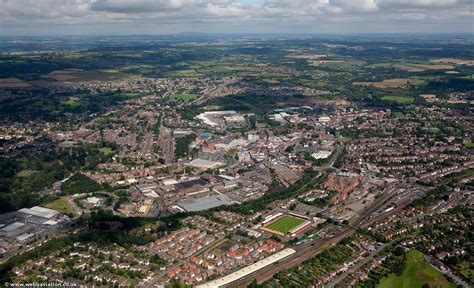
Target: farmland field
271,81
399,99
78,76
13,83
454,60
416,67
396,82
416,273
420,81
285,224
185,73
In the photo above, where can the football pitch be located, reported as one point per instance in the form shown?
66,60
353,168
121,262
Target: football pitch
285,224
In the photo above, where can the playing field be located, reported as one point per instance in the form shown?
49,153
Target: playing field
417,272
285,224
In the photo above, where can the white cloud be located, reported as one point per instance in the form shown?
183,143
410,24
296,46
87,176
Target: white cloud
188,15
421,3
354,5
140,6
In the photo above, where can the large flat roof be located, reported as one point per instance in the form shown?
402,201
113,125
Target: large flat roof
190,183
226,280
203,163
13,226
205,202
40,212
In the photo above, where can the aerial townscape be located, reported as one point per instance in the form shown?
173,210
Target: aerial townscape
234,159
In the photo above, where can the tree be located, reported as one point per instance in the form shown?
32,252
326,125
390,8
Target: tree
79,183
253,284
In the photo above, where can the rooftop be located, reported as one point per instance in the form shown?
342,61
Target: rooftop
191,183
40,212
205,203
12,227
202,163
226,280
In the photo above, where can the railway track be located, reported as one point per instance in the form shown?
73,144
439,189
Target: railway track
310,250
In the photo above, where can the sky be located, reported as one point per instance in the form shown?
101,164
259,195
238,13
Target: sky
142,17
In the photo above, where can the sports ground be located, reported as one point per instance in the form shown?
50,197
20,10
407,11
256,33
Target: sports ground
285,224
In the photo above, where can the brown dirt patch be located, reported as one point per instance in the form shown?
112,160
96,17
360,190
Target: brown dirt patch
13,83
387,83
454,61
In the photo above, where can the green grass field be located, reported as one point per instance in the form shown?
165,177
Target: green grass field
469,145
106,150
417,272
418,82
61,205
71,102
398,114
285,224
470,77
399,99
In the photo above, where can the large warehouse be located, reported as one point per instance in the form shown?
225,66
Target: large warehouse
39,215
27,224
205,203
228,279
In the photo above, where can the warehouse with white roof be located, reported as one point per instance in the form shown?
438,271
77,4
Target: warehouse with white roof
228,279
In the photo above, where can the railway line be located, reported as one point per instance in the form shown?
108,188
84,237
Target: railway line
311,249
